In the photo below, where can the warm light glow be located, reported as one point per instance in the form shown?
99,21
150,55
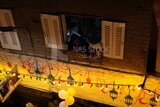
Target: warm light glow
138,87
19,76
63,94
59,84
82,85
149,92
71,91
106,88
75,84
54,82
101,87
14,74
157,98
68,84
91,85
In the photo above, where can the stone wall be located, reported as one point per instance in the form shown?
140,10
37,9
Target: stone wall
136,14
157,14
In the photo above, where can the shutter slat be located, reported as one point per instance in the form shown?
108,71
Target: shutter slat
118,40
9,40
57,32
7,18
52,30
47,31
4,38
107,38
13,38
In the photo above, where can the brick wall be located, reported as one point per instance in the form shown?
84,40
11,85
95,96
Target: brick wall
137,15
157,14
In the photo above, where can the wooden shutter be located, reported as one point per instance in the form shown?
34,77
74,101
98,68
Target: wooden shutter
46,29
64,26
52,31
57,31
118,40
107,38
3,37
9,40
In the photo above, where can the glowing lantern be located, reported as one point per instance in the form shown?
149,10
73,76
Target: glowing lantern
128,100
70,100
153,102
62,104
62,94
113,92
71,91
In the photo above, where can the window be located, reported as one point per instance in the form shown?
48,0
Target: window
113,39
52,31
91,32
9,40
82,33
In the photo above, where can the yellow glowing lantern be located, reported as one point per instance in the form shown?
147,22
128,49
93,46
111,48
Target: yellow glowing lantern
62,94
71,91
70,100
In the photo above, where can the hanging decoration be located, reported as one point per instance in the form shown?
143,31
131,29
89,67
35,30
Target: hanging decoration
50,76
70,79
113,92
37,71
128,98
71,91
63,94
70,100
67,96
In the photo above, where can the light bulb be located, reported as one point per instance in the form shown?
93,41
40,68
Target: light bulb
82,85
101,87
106,88
54,82
75,84
19,76
91,85
14,74
157,98
149,92
59,84
138,87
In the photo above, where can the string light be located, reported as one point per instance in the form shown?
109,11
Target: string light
53,82
91,85
157,98
30,77
14,74
106,88
59,83
101,87
82,85
75,84
138,87
118,87
19,76
149,92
